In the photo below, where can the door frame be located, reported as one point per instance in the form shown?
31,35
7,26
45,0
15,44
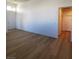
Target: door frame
60,18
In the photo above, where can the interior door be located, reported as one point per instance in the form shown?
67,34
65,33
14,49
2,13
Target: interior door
65,22
67,19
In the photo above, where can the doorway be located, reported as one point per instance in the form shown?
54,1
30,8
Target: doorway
65,22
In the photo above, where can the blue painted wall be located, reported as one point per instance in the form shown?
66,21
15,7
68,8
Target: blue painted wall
41,18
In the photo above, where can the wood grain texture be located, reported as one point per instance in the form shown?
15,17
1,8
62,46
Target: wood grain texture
26,45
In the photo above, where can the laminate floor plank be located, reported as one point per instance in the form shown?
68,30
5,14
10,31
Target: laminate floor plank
27,45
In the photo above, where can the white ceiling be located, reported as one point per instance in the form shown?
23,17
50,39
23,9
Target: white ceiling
17,1
22,1
27,0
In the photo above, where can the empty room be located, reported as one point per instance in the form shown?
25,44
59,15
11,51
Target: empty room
39,29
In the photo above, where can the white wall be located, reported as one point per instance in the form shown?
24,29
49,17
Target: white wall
40,16
19,17
10,17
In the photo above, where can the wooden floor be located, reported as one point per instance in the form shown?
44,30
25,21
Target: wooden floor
26,45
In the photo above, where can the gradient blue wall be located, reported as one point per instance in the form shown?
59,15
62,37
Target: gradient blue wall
41,18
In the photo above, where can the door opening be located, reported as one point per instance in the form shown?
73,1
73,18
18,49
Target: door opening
65,22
